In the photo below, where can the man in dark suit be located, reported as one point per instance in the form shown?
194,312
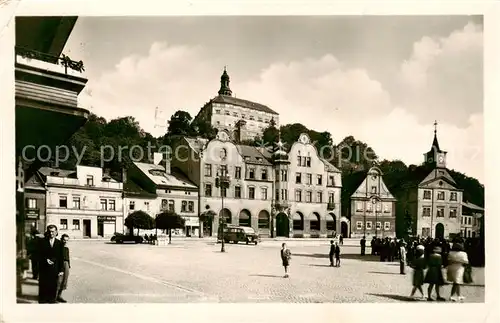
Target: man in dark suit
50,265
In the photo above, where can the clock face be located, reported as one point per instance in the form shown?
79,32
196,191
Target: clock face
441,159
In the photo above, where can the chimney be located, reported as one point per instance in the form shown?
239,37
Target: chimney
166,162
157,158
124,175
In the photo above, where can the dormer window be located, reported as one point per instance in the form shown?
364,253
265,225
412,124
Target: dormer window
217,111
54,173
90,180
227,113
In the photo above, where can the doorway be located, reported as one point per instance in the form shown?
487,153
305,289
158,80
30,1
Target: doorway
282,225
439,231
86,228
344,229
100,228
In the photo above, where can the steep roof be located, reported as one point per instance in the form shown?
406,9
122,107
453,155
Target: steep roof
329,166
472,206
132,189
34,182
157,174
197,144
252,155
48,171
439,174
243,103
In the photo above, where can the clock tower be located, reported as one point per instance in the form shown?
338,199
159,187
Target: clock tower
435,157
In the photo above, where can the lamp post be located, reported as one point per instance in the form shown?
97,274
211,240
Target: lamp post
374,202
222,182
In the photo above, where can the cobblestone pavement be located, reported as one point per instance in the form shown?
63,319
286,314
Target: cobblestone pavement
196,271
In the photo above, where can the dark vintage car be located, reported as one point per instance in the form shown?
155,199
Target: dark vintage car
235,234
121,238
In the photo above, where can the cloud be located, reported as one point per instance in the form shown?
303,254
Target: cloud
441,79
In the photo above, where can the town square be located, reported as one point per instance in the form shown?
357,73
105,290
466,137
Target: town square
249,159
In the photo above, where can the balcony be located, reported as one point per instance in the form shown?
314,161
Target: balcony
283,204
330,206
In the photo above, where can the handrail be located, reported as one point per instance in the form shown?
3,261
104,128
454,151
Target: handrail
62,60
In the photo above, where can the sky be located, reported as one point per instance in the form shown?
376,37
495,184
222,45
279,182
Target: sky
382,79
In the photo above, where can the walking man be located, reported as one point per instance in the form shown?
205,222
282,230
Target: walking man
50,266
286,255
363,245
63,280
337,255
402,257
332,252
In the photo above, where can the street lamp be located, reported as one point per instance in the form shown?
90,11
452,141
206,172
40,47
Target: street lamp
222,182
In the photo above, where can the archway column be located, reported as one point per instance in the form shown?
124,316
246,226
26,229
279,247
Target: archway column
323,232
273,225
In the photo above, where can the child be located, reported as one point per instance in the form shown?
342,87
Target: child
418,266
337,255
286,254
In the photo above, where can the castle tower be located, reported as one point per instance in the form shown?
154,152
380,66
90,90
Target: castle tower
435,157
224,84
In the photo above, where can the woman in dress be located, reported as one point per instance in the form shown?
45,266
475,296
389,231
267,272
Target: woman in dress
455,273
418,271
434,274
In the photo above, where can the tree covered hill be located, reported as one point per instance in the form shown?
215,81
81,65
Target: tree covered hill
99,136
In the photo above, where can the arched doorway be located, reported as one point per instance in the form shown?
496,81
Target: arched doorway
244,219
282,225
226,214
331,222
344,229
208,221
263,220
439,231
298,221
314,222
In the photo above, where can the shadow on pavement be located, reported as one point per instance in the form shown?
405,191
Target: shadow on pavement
315,265
383,272
269,276
27,299
342,256
395,297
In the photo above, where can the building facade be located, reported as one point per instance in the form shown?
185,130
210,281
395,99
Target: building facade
373,208
158,187
471,221
83,203
434,199
34,197
242,119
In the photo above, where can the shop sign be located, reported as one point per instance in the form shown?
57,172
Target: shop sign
32,213
192,221
106,218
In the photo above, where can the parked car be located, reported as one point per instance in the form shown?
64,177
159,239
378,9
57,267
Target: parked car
235,234
121,238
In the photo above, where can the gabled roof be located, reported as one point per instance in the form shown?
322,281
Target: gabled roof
34,182
472,206
438,173
157,174
243,103
329,166
132,189
252,155
197,144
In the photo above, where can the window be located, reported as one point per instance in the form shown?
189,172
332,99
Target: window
277,194
320,180
228,113
369,206
298,195
104,204
284,194
440,196
299,159
369,225
374,189
223,191
63,224
359,206
264,174
217,111
427,195
309,179
112,205
252,118
218,122
308,161
146,204
319,197
331,197
184,206
387,208
453,196
223,170
237,192
187,193
469,220
164,204
208,170
237,172
379,207
251,193
263,221
453,213
131,206
76,224
284,175
208,189
263,193
251,173
440,212
387,226
331,180
171,205
76,203
243,116
63,201
235,114
379,225
31,203
304,161
359,225
298,178
90,180
426,211
259,119
309,196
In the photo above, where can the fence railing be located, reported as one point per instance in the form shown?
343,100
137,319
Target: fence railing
63,60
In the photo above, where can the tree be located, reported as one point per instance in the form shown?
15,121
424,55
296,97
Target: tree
169,220
180,124
139,220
